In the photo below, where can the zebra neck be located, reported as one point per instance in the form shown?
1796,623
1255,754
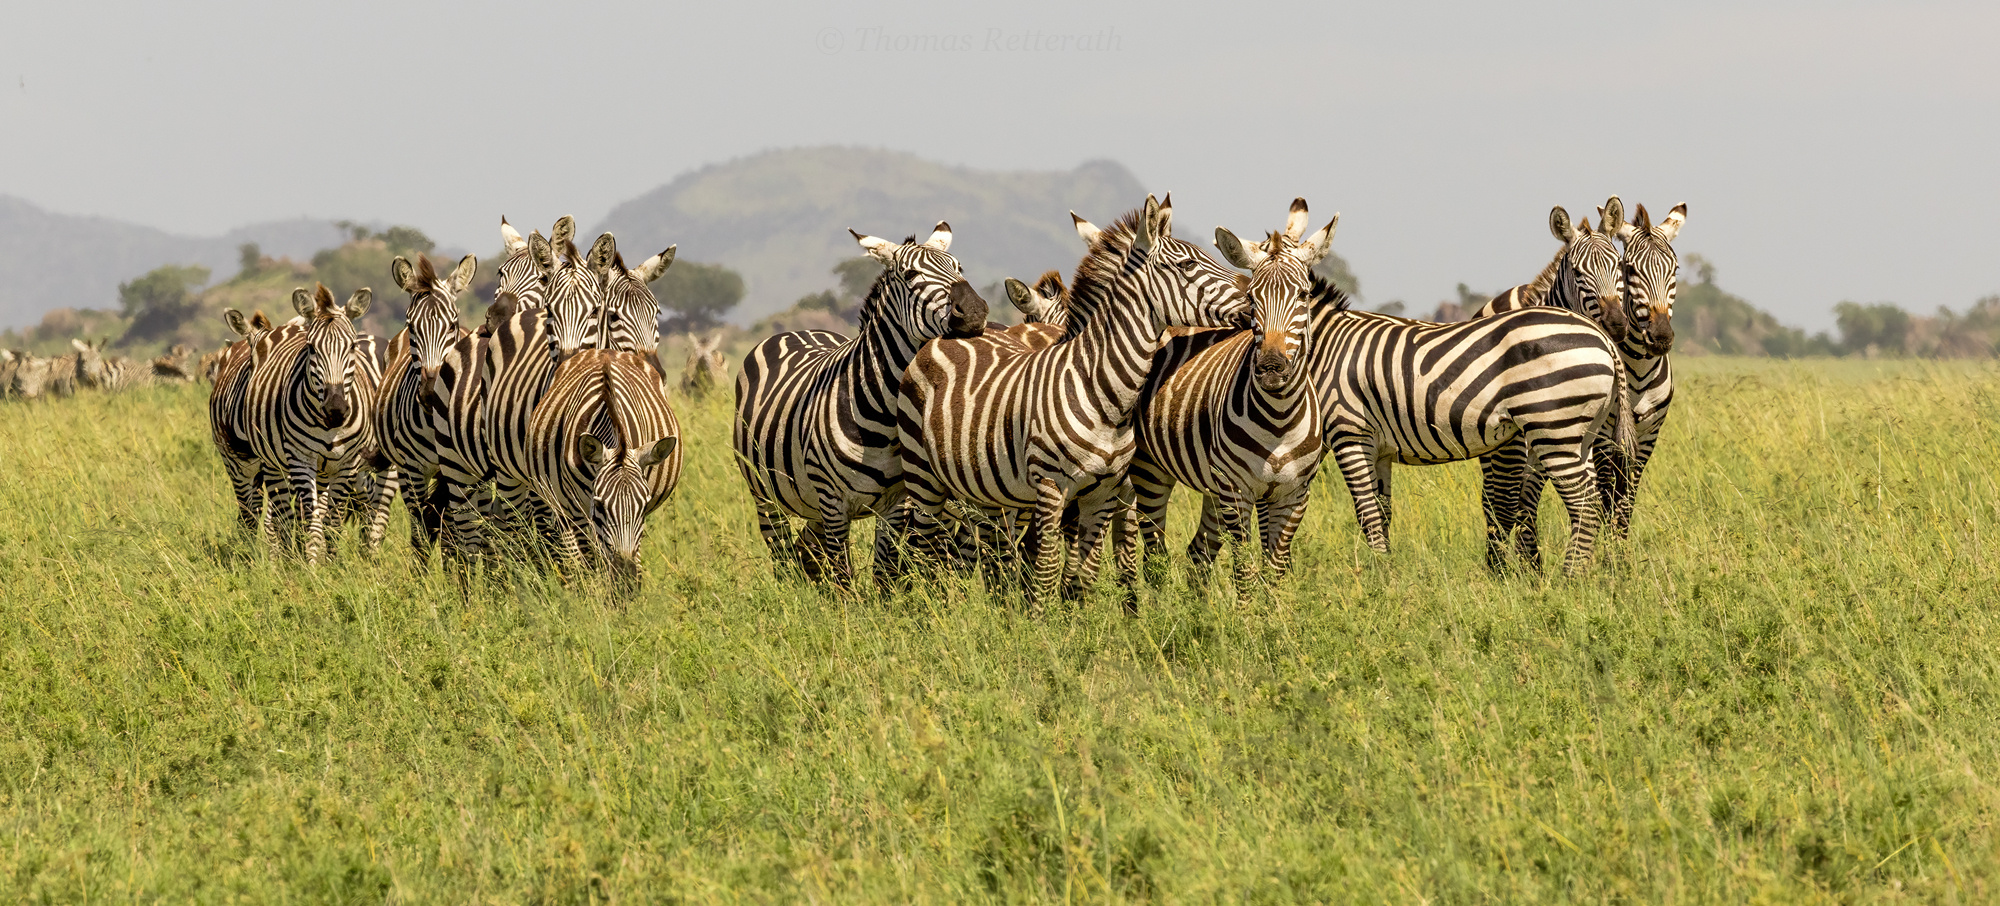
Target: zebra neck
1562,294
1639,363
1536,292
1112,354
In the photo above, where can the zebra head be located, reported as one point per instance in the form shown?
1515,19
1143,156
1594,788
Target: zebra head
328,357
1047,302
520,279
1182,285
90,362
1649,273
573,295
922,292
619,494
1587,280
433,314
631,317
1280,290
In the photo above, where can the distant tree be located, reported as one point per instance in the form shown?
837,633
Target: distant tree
159,301
1875,329
698,294
857,275
406,239
1334,268
249,258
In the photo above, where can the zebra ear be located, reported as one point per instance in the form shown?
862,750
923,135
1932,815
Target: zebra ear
1317,245
1017,293
1295,222
655,266
1559,225
603,252
302,301
878,248
259,321
1234,250
357,304
1611,217
461,276
590,448
563,231
1671,225
1163,221
940,237
542,251
658,452
1142,234
79,345
236,322
404,275
1086,229
510,238
1644,222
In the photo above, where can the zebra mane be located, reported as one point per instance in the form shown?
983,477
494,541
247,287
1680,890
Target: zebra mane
1325,296
1546,280
1101,267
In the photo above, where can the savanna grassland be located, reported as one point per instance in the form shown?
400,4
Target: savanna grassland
1785,686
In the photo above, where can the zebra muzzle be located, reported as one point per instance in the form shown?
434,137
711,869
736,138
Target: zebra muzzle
968,312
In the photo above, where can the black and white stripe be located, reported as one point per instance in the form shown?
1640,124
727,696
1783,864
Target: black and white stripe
410,419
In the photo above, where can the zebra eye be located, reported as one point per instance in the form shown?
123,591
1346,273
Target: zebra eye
1188,264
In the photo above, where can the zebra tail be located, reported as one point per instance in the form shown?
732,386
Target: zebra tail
1624,432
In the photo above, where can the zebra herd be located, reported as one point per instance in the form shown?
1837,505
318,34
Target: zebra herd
26,376
548,426
1019,452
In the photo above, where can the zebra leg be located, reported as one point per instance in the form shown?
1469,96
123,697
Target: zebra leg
1048,541
892,522
1279,519
1618,484
1499,494
1152,490
1087,549
318,501
1570,473
835,554
1207,541
1356,458
247,481
1125,540
1528,515
378,511
1238,516
1382,465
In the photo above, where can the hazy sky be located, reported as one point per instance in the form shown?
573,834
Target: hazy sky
1826,151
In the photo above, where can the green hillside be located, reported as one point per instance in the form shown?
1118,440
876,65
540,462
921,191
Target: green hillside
781,218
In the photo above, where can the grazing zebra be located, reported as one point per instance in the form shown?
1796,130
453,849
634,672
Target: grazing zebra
10,362
1393,390
815,431
495,383
308,409
607,453
173,366
409,416
706,369
1231,415
996,425
227,424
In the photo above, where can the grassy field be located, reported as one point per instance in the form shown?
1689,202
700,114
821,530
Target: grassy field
1785,686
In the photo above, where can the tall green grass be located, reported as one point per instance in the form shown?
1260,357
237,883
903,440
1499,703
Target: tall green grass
1783,686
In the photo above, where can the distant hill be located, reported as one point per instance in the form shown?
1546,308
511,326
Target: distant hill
780,218
50,260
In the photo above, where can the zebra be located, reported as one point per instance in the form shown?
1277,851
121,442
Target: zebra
1394,390
606,453
519,277
173,366
706,369
496,379
1649,274
408,416
629,313
307,407
10,363
1582,277
227,425
1047,302
110,375
815,430
1231,414
996,425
